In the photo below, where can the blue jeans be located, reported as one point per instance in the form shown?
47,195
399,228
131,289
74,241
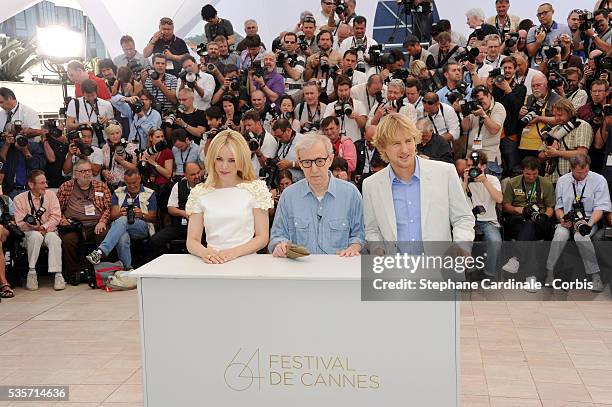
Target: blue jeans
492,236
510,155
119,235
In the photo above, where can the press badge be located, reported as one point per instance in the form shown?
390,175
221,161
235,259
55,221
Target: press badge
609,161
90,210
169,65
477,145
183,221
100,194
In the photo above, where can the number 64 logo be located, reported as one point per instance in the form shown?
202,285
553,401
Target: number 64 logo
239,375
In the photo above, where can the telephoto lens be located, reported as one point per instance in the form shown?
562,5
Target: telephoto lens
131,216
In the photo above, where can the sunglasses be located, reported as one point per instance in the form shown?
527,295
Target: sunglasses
429,102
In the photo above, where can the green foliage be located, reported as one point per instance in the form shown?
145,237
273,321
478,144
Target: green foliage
15,59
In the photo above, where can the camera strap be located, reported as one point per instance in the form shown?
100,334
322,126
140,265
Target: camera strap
284,148
183,159
535,190
311,116
501,29
443,118
10,114
443,61
94,109
578,199
481,122
33,210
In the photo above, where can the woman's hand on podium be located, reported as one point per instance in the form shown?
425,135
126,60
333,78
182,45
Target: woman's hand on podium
212,256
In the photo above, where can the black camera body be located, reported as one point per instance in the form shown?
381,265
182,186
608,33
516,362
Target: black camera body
512,40
74,137
210,134
52,129
469,54
458,93
252,141
131,215
587,20
533,110
35,219
153,74
469,107
189,78
339,7
302,43
534,213
497,75
137,107
315,125
201,50
578,217
343,108
269,171
258,70
551,51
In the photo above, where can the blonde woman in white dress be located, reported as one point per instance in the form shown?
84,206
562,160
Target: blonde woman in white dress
232,204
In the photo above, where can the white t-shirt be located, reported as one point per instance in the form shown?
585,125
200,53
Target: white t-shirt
480,196
207,82
27,115
351,129
350,42
360,93
97,157
268,149
407,110
358,78
87,113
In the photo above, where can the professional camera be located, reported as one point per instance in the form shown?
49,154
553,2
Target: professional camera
169,118
302,43
315,125
20,139
478,210
120,149
469,107
587,20
469,54
378,58
512,40
137,106
411,7
252,141
497,75
533,110
578,217
74,137
98,129
435,30
458,93
607,110
201,50
324,64
189,78
533,213
542,29
401,74
52,129
551,51
343,108
156,148
258,70
73,226
340,7
131,216
378,96
555,79
474,172
6,221
602,63
557,133
210,134
269,171
34,219
153,74
134,66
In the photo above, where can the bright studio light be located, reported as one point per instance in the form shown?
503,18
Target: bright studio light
59,42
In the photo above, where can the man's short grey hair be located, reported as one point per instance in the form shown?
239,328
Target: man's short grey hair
398,83
308,142
492,37
82,161
424,124
475,12
579,161
270,54
249,21
188,91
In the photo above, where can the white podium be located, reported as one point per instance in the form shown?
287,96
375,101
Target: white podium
263,331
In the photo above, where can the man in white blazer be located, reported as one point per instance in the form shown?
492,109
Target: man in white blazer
413,199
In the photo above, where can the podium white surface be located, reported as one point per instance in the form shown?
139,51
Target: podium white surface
264,331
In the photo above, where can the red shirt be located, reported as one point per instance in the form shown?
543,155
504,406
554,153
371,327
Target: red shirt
103,92
164,155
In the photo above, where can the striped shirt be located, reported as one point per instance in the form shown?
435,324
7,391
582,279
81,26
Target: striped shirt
158,96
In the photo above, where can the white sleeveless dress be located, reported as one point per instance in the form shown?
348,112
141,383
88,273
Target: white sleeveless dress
228,212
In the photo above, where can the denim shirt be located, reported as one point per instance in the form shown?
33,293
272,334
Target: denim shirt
324,227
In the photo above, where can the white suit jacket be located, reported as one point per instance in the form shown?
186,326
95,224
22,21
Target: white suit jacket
445,213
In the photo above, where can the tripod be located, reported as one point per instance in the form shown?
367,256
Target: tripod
407,8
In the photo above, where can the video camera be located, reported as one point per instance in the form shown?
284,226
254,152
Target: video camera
578,217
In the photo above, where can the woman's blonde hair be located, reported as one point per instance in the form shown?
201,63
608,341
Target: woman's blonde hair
111,128
416,67
238,145
565,105
391,128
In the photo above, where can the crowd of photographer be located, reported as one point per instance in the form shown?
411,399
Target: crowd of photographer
524,103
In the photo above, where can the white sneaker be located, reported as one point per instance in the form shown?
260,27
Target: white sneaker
531,281
512,266
32,282
59,283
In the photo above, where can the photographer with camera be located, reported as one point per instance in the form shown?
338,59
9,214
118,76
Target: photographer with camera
596,32
511,94
455,88
184,151
444,51
108,71
367,155
432,146
202,83
528,204
414,94
360,43
176,209
254,50
75,71
161,84
412,45
89,109
140,114
310,111
371,92
536,114
504,23
233,85
231,111
484,119
290,64
7,228
12,111
343,146
524,74
130,57
263,145
319,64
347,67
165,43
80,148
326,17
119,156
133,212
128,85
55,146
604,141
156,162
572,90
19,156
37,213
265,78
484,192
352,113
306,30
493,56
85,207
214,117
570,137
442,117
188,118
225,56
216,26
582,198
593,111
286,155
286,111
560,56
396,103
545,34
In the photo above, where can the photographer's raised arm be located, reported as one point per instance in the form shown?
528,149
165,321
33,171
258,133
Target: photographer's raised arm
292,72
170,95
49,153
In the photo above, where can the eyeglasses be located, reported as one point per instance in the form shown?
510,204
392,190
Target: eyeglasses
429,102
543,13
85,171
320,162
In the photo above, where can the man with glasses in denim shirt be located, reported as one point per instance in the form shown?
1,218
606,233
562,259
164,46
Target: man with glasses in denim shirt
322,213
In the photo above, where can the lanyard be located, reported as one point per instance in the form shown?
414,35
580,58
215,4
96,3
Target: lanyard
534,190
443,118
33,208
577,198
286,147
481,122
316,113
94,109
506,24
10,114
185,158
137,125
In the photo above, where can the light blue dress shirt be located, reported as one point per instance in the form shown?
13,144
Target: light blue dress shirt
323,227
407,205
596,194
139,126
